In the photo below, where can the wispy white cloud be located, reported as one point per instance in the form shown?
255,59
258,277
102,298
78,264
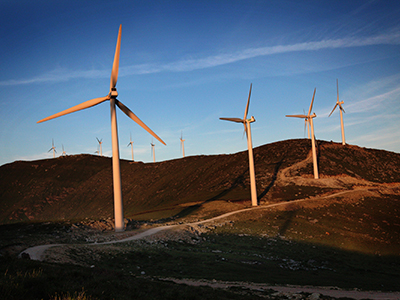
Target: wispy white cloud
374,95
215,60
387,137
58,75
373,103
227,58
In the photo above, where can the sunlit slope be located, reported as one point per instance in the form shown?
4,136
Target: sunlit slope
80,186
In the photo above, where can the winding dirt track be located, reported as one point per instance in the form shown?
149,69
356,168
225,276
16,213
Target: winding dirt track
38,253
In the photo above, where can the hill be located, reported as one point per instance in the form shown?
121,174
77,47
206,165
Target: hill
341,231
80,186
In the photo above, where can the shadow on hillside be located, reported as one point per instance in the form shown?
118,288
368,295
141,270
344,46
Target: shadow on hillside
276,170
189,210
288,218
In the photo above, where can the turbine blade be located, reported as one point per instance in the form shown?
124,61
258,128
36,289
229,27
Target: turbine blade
131,115
247,105
114,72
333,109
297,116
341,107
245,130
312,102
337,87
237,120
75,108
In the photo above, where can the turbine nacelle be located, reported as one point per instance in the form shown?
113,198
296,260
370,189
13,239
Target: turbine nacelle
113,93
251,120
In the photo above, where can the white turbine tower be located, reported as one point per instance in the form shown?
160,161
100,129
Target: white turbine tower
182,145
100,149
309,118
112,97
63,153
131,144
246,123
153,151
53,148
306,125
339,103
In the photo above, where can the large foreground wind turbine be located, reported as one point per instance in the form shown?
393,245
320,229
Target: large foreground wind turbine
131,144
339,103
309,118
53,148
182,145
112,97
246,123
100,149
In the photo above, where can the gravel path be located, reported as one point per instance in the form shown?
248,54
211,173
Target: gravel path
289,290
37,252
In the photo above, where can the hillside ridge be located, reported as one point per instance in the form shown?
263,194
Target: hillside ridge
80,186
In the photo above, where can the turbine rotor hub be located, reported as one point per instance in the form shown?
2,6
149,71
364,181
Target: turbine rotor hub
113,93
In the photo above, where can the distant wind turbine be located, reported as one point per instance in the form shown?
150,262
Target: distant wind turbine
309,118
247,129
53,148
339,103
182,145
63,153
131,144
112,97
100,148
153,151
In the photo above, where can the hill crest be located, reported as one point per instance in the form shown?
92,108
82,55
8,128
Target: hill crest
80,186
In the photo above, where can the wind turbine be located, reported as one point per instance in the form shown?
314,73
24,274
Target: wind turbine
246,123
131,144
63,153
100,149
341,112
182,145
112,97
153,151
309,118
53,148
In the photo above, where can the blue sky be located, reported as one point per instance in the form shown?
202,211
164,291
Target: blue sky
184,64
